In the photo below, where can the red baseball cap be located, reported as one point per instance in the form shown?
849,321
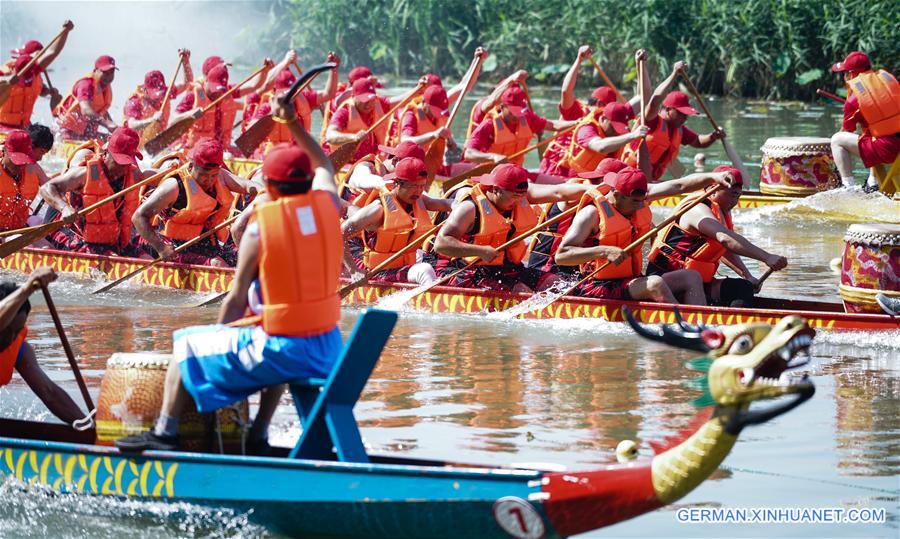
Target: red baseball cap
618,115
18,148
603,95
30,47
287,163
105,63
629,181
285,79
363,90
735,173
210,63
436,97
433,80
508,177
207,153
123,146
217,79
405,149
20,64
609,164
679,101
514,99
856,62
409,169
359,72
155,84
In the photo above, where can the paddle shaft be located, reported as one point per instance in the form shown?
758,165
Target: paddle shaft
606,79
830,95
642,90
165,100
40,54
699,99
762,279
65,343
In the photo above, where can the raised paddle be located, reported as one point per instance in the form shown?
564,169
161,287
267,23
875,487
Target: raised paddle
160,259
606,79
33,234
257,133
65,342
434,157
344,153
6,85
153,128
176,130
56,97
830,95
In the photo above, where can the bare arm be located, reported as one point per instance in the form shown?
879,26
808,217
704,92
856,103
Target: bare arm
53,192
161,199
567,92
559,125
54,397
458,223
39,172
236,184
700,218
187,73
691,182
321,165
704,141
259,80
477,156
655,102
471,74
571,251
335,136
247,269
437,204
494,97
611,144
331,83
543,193
57,47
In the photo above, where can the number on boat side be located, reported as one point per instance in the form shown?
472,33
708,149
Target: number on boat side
518,518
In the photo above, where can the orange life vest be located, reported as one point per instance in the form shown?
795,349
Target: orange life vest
546,241
663,144
505,141
472,113
148,109
691,250
300,257
20,104
110,224
216,123
356,123
68,112
494,229
424,124
200,213
879,101
358,196
579,158
9,355
618,231
16,197
397,229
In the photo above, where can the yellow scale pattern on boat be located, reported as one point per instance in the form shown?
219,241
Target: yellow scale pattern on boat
92,474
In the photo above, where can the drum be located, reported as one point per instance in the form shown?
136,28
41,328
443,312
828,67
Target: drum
871,265
131,394
797,166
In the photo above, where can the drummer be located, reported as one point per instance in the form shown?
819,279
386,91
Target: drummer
702,237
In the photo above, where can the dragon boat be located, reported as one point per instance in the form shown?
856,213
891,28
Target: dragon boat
329,485
453,300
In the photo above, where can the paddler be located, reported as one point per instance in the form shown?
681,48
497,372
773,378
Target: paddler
145,104
41,140
20,179
191,200
493,211
393,217
602,133
369,172
17,354
16,112
94,175
871,105
665,115
603,227
86,108
491,103
290,263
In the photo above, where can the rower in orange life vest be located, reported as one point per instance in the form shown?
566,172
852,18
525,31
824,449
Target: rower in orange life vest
188,202
873,105
16,112
41,140
99,173
491,103
425,121
495,210
144,105
16,354
601,134
20,179
393,217
288,271
86,108
699,240
369,172
603,227
344,90
665,116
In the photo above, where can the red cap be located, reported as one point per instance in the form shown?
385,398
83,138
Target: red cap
207,153
433,80
217,79
514,99
856,62
405,149
18,148
603,95
618,115
123,146
680,102
285,79
287,163
210,63
30,47
363,91
508,177
735,173
628,181
105,63
155,84
609,164
436,97
21,61
409,169
359,72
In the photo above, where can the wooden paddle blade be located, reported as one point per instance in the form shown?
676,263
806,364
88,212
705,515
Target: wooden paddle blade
149,133
169,136
255,135
342,155
479,170
28,238
434,159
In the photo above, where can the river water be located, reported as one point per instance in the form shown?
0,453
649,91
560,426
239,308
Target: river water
490,391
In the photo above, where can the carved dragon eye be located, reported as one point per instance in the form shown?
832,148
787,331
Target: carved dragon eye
713,338
741,345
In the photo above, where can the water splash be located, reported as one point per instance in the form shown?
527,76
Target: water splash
398,300
845,204
537,301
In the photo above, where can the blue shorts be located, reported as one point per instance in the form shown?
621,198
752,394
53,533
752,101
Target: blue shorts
221,365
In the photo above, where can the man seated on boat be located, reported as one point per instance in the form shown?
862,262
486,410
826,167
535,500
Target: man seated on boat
392,218
17,354
424,122
94,174
20,179
491,102
369,172
699,240
665,116
290,264
495,210
188,202
144,106
871,105
85,109
41,140
603,227
602,133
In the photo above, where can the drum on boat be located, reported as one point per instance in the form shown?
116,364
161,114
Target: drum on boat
131,395
797,166
871,265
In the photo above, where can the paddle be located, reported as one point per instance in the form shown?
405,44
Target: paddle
160,259
175,131
486,167
434,157
65,343
40,231
257,133
830,95
606,79
344,153
56,97
153,128
762,279
7,85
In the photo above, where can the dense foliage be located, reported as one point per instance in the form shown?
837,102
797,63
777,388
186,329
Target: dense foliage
759,48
